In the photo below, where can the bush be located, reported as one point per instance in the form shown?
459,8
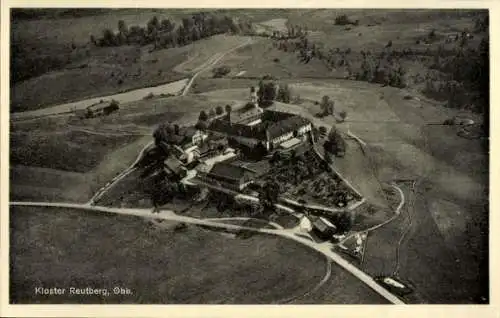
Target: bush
221,71
342,20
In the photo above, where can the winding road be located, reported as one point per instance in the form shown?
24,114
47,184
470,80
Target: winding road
211,63
325,248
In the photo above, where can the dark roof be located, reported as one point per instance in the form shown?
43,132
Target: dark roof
227,170
173,164
284,123
322,226
249,110
224,126
100,105
284,126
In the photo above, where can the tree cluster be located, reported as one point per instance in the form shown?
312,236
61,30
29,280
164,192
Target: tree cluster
269,194
335,144
344,20
266,93
163,133
166,33
382,69
284,93
327,106
461,79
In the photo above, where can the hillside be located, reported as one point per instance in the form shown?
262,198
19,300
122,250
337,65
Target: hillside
407,91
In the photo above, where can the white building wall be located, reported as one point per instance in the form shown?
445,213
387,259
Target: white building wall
304,129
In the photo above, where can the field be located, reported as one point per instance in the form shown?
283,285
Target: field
43,150
65,248
263,58
55,162
439,242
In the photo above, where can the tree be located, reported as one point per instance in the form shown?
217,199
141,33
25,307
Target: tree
221,71
160,134
327,105
219,110
166,25
275,158
153,25
432,34
335,143
212,112
267,93
203,116
343,115
108,38
269,194
122,27
201,125
332,134
228,108
93,40
114,105
343,222
283,94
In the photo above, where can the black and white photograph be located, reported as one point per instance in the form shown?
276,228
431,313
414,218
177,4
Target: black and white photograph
245,156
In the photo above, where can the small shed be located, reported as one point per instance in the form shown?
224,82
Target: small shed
323,228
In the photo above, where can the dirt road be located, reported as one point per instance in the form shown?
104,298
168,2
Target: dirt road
324,248
130,96
211,63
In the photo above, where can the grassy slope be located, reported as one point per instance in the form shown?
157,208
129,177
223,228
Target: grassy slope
105,70
43,184
262,58
106,67
67,248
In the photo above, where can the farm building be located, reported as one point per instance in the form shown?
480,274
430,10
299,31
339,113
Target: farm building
101,108
323,228
228,175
